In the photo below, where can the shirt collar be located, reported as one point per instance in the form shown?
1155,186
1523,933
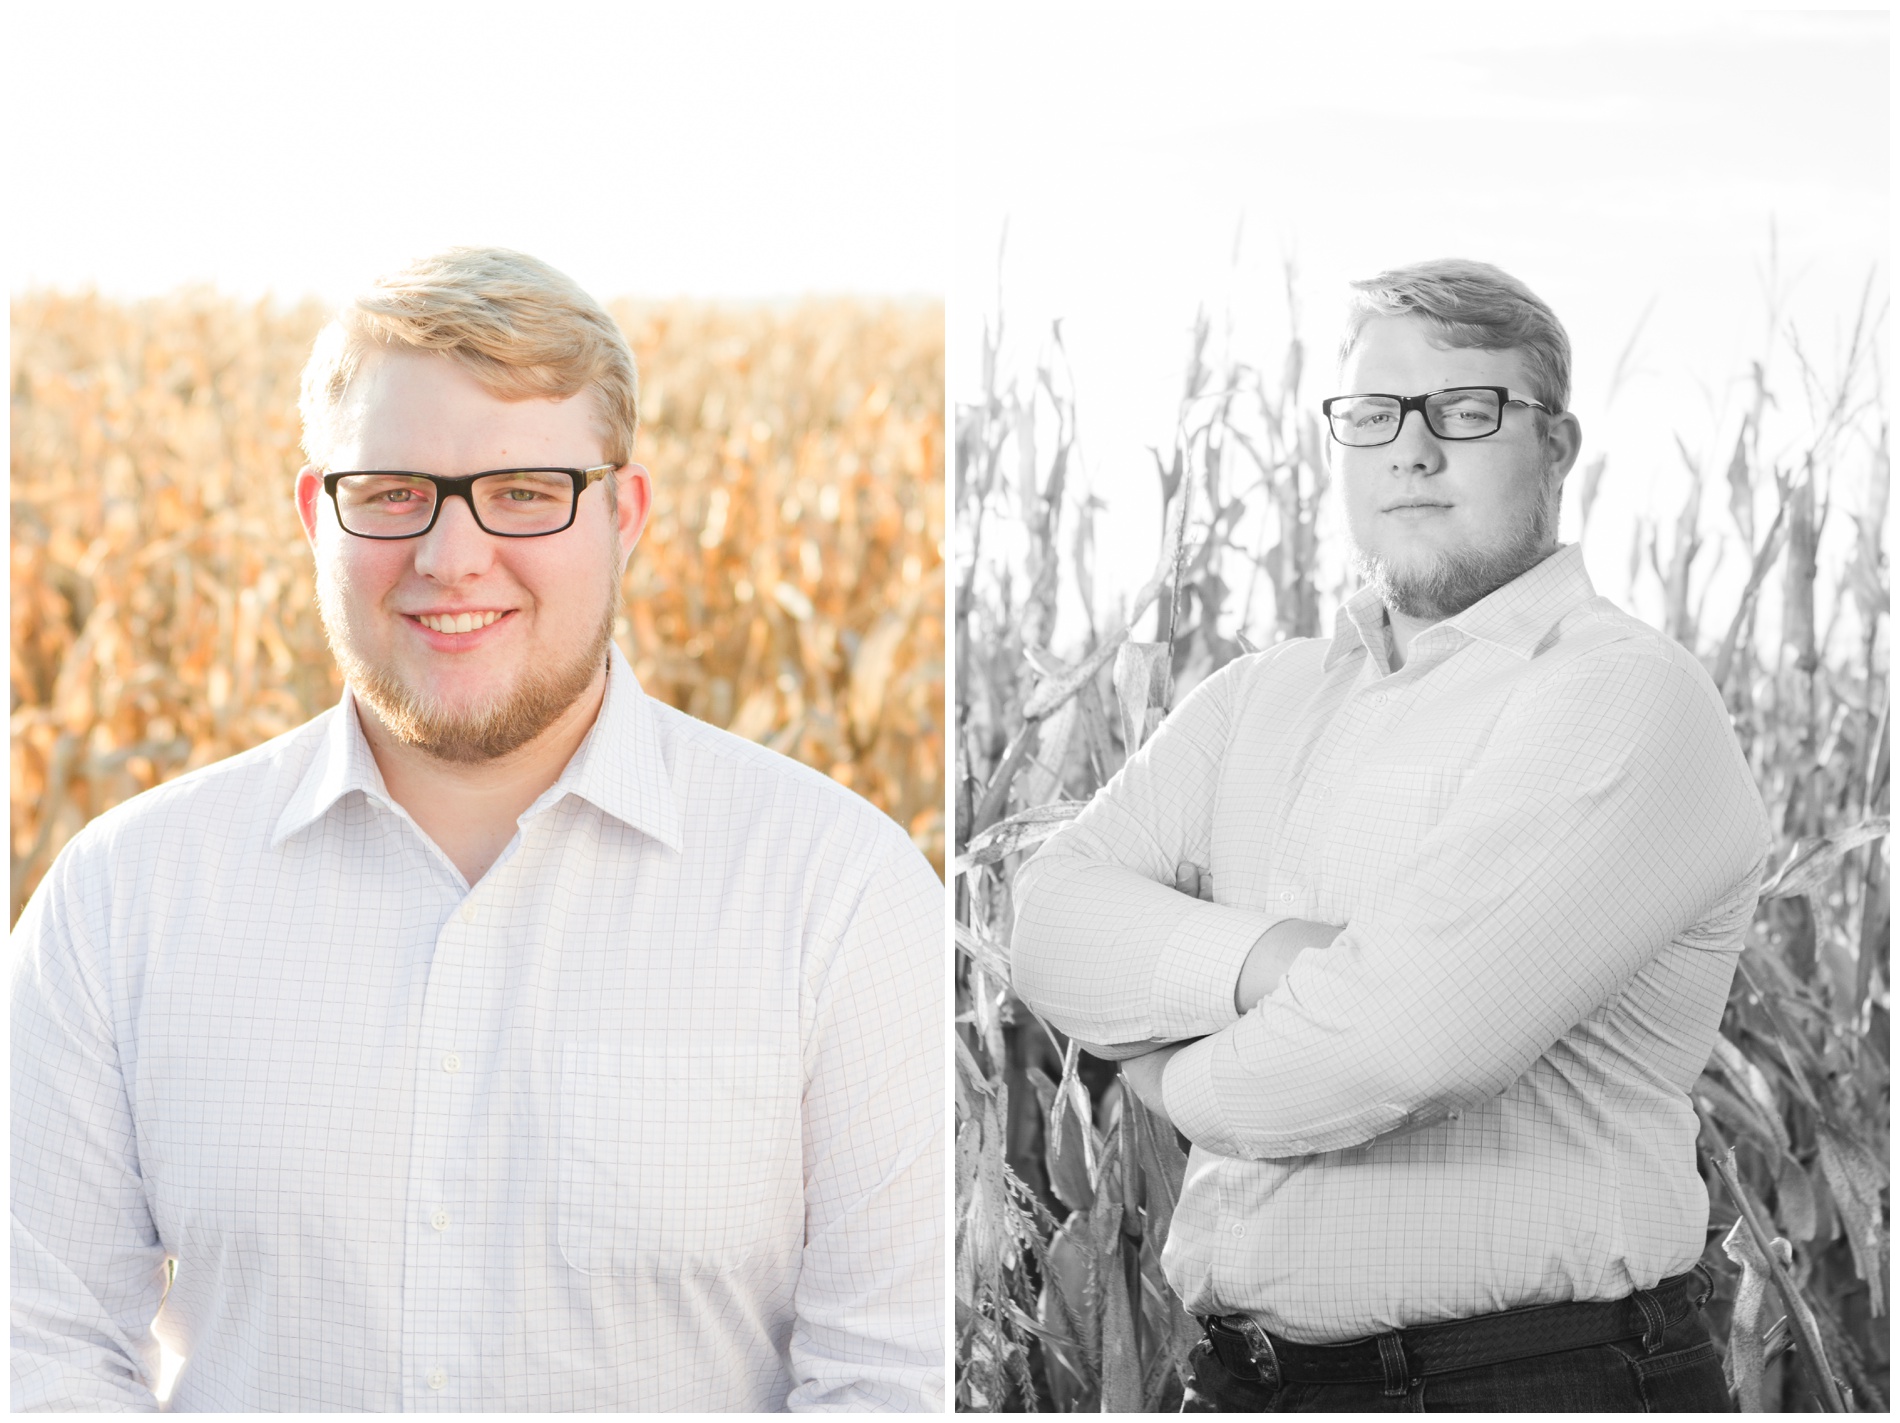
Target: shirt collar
1517,617
343,763
620,766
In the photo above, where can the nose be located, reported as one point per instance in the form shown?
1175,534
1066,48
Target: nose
1416,450
456,548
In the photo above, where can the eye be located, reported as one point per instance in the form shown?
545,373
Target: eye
1476,408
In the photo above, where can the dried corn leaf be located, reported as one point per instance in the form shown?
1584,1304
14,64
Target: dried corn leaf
1019,832
1857,1179
1140,683
1813,862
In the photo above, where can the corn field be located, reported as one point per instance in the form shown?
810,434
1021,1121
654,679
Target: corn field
1065,1185
789,586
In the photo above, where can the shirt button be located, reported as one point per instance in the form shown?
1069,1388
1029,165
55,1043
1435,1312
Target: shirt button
470,913
440,1220
1379,700
438,1378
1240,1230
1287,895
452,1062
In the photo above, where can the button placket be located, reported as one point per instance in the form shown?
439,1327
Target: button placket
456,1000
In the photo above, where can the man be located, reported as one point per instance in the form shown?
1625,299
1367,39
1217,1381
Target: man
1481,868
500,1039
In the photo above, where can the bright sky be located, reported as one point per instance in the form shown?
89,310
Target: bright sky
708,150
1610,161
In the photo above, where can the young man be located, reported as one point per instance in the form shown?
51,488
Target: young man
500,1039
1481,868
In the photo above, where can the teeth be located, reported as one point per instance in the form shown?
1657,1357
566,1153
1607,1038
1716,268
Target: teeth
458,622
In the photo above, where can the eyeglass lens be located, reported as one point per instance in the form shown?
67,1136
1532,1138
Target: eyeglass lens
533,501
1465,414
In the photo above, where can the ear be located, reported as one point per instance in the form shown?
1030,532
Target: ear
309,491
1562,444
633,488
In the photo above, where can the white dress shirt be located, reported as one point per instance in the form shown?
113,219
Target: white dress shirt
1545,846
649,1118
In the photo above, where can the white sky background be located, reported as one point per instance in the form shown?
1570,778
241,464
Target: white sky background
1606,160
652,150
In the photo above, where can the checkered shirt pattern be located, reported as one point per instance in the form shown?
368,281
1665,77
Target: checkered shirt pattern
1545,846
650,1118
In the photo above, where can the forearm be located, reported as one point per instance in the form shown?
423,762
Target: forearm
1266,964
1273,954
1117,958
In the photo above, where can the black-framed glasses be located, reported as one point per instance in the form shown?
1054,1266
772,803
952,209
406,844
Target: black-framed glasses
508,503
1463,412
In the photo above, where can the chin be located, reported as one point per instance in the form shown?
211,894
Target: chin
1433,588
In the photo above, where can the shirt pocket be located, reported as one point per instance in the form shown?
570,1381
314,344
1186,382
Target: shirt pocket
1389,809
678,1154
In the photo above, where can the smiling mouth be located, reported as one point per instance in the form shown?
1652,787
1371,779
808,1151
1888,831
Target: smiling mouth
457,622
1415,504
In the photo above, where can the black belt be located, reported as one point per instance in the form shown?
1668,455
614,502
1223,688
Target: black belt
1250,1353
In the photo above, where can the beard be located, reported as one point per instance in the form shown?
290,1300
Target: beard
468,735
1453,581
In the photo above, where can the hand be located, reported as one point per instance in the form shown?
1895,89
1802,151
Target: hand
1120,1052
1272,955
1142,1076
1273,952
1193,881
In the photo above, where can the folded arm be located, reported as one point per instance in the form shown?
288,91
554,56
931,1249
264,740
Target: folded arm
1612,813
1104,946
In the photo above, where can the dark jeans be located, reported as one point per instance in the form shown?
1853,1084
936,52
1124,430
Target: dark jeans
1683,1376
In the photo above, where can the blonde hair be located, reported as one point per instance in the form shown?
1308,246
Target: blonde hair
522,329
1473,305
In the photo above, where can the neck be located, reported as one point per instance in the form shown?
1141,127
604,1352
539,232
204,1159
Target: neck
1402,629
470,809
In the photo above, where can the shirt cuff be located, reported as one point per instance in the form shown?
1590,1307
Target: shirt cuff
1192,992
1187,1094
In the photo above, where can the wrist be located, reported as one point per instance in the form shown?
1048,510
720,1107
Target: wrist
1273,953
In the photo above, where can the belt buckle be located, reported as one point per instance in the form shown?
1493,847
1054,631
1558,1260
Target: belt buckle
1260,1349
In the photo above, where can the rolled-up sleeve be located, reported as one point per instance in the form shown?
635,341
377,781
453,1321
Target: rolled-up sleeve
1611,815
88,1271
1104,946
